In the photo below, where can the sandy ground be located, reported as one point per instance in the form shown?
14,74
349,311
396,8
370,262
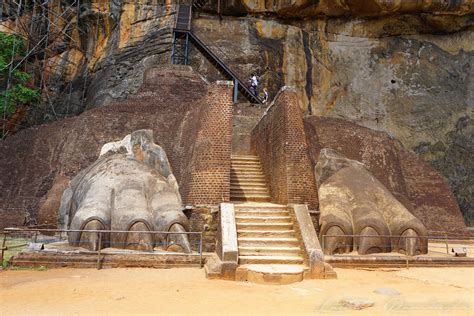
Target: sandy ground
423,291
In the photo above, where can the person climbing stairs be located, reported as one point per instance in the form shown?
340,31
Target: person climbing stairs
183,35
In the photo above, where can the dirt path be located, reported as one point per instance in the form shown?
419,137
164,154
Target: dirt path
187,291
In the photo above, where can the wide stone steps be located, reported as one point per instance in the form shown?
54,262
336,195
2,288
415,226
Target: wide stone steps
269,248
262,213
266,233
260,207
263,219
264,226
269,251
271,260
270,241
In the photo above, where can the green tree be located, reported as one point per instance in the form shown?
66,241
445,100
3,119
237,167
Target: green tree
13,92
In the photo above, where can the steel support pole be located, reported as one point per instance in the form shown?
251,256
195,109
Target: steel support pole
173,48
98,252
200,251
406,251
186,49
446,241
3,248
236,90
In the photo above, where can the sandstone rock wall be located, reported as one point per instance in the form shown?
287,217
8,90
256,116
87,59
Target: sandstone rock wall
402,67
407,75
308,8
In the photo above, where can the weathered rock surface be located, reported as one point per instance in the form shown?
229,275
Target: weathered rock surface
399,66
129,188
357,303
407,75
353,202
346,7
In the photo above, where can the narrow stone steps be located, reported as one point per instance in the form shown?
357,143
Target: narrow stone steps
247,181
247,191
266,233
262,241
244,158
269,251
245,170
264,226
245,167
243,177
254,161
250,197
270,260
247,174
263,219
234,165
253,184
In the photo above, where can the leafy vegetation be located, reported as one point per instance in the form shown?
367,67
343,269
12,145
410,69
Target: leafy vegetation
17,93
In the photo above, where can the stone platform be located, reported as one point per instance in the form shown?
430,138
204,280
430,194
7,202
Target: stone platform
396,261
109,258
277,274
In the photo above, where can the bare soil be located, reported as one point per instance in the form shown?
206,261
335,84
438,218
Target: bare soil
423,291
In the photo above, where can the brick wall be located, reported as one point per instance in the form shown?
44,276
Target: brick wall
174,102
206,179
420,188
280,142
432,198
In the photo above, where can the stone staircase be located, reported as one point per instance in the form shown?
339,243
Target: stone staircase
269,249
247,181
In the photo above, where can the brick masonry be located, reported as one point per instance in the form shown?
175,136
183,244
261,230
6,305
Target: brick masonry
206,178
422,190
280,142
188,117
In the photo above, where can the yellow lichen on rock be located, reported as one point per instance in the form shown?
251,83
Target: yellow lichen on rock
128,12
270,29
294,63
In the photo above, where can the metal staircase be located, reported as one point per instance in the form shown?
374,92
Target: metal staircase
183,35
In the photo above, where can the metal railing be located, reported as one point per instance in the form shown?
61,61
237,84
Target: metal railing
430,243
61,235
445,240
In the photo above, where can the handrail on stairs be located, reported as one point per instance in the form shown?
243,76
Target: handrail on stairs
239,84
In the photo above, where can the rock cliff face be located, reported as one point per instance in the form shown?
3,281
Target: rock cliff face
392,74
399,66
307,8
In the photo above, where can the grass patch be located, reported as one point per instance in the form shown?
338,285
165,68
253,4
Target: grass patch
14,246
34,268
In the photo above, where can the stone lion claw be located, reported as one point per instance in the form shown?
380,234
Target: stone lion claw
129,189
359,213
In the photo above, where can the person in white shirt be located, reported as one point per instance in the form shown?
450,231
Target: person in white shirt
254,84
